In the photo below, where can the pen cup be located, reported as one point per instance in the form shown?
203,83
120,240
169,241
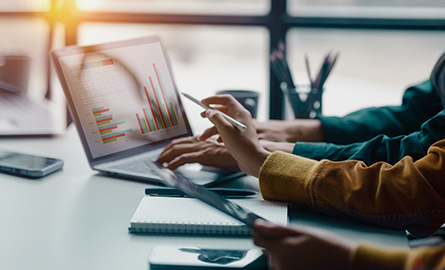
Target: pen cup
305,101
247,98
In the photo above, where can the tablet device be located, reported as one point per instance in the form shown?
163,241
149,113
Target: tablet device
175,180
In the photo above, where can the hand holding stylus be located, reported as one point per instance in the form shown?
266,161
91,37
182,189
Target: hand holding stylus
235,123
244,147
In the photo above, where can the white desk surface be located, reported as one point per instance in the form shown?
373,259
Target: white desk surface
77,219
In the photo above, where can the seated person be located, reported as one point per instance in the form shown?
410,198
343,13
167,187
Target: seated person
370,135
408,195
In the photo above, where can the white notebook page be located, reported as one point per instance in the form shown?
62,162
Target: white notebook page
190,210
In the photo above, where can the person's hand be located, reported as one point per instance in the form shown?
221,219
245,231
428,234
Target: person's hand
307,130
277,146
190,150
243,146
297,248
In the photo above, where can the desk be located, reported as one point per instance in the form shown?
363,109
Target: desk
77,219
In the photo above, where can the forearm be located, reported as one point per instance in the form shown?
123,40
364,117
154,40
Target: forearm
419,103
308,130
406,196
380,148
369,257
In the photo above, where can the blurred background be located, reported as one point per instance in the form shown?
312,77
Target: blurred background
384,45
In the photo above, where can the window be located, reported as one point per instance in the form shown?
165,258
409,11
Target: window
242,33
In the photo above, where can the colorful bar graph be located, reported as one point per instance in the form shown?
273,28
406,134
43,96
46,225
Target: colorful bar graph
101,111
105,127
103,123
151,107
115,134
146,118
157,100
174,114
161,113
140,125
161,85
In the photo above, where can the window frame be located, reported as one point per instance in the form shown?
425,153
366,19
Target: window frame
277,22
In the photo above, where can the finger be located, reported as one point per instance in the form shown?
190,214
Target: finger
227,100
177,150
268,229
208,133
218,120
265,242
261,135
220,108
191,139
184,159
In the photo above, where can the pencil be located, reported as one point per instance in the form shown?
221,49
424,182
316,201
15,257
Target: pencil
308,70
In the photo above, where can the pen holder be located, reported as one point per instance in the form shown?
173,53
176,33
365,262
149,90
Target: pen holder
305,101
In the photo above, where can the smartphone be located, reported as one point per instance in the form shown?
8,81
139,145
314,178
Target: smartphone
190,258
28,165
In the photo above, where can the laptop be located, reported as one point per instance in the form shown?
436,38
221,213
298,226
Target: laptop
20,115
126,107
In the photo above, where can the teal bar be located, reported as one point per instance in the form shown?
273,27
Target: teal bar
98,109
103,117
163,87
143,125
174,115
112,125
160,103
148,120
116,133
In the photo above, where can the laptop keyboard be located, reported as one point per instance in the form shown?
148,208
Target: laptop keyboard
137,166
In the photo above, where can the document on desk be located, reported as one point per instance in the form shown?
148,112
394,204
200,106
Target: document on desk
167,215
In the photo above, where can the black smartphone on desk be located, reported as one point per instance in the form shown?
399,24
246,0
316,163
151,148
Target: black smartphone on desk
28,165
192,258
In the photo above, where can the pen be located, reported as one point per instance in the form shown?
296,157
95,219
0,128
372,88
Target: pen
306,58
235,123
172,192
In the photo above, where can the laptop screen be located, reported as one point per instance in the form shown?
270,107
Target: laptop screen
122,95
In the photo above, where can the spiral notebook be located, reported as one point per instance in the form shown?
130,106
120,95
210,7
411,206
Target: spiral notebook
166,215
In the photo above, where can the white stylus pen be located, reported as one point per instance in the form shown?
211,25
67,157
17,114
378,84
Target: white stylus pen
235,123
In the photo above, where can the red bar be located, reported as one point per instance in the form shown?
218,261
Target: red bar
108,128
107,62
146,118
151,107
163,95
157,101
139,121
101,111
104,120
112,137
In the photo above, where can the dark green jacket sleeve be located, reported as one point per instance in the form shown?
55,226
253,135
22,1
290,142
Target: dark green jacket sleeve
419,103
380,148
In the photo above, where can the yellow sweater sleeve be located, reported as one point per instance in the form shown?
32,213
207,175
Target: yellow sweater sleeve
371,258
286,177
406,196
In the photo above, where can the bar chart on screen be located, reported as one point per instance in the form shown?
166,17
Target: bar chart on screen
109,129
160,113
